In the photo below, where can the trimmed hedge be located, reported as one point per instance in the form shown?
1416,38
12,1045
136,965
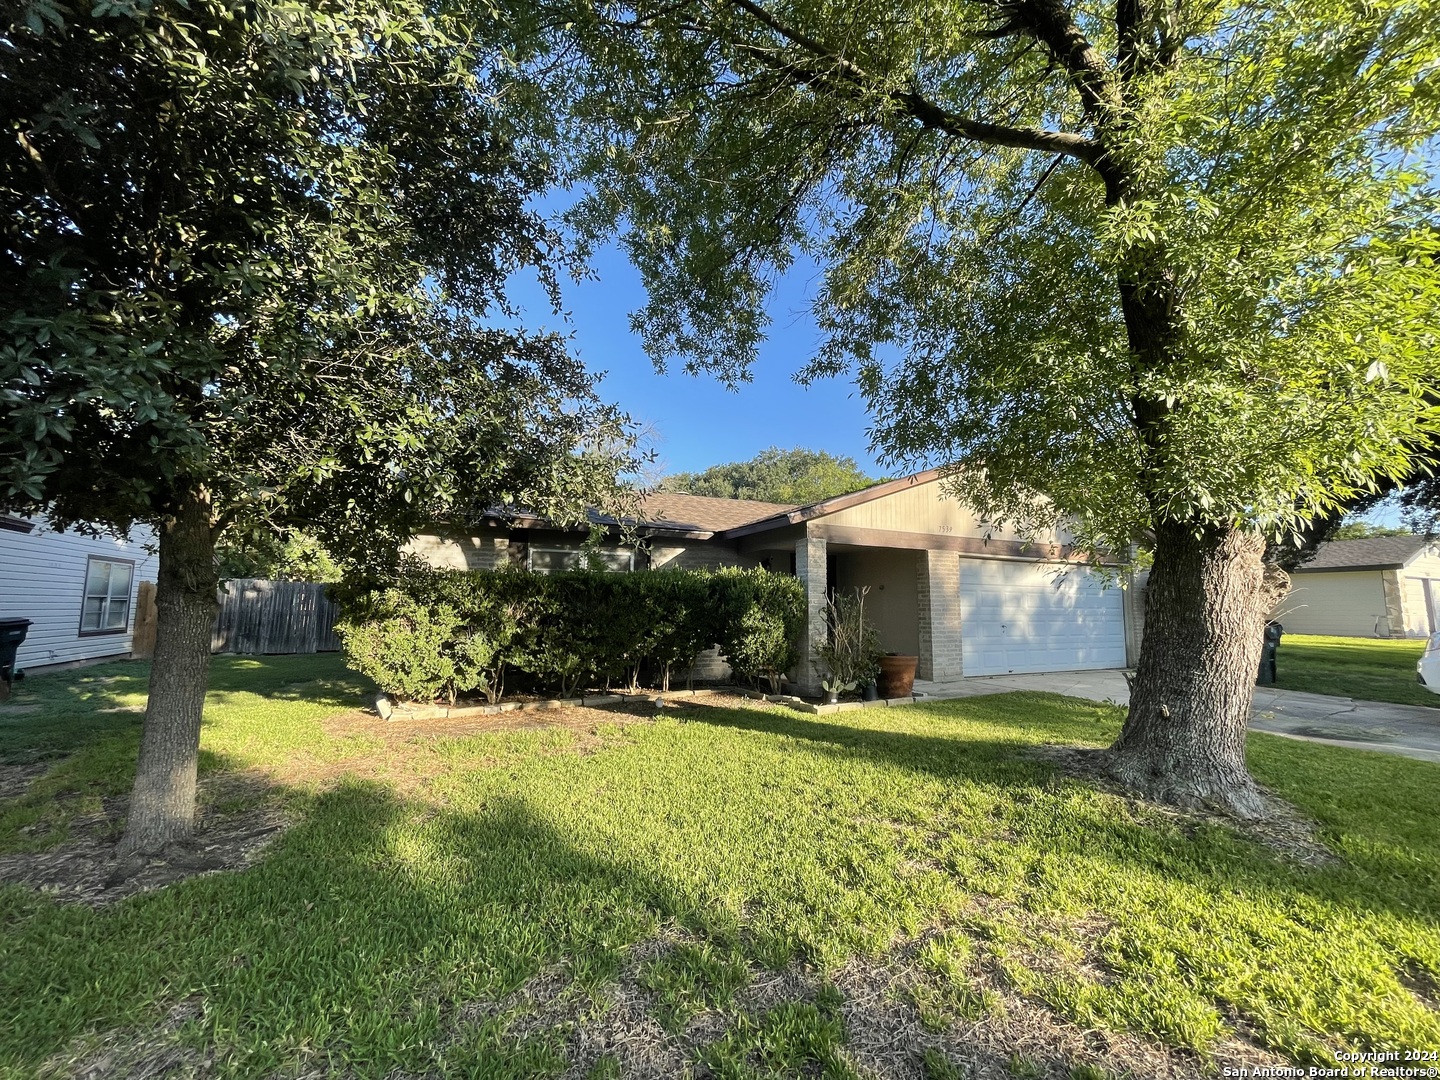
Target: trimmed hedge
446,633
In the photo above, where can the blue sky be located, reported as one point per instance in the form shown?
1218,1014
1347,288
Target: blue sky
694,422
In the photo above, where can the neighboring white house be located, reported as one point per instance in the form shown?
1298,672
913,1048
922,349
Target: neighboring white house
964,597
79,592
1386,586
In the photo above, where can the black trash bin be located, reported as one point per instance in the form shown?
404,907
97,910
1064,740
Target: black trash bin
12,633
1273,632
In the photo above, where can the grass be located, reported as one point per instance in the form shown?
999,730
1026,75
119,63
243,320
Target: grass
763,838
1367,669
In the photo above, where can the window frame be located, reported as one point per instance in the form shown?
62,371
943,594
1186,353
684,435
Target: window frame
532,550
85,595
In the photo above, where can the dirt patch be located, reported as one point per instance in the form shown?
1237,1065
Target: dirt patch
15,780
1421,983
886,1034
577,717
1284,830
86,870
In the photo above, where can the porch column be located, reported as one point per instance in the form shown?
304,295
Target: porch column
810,569
937,595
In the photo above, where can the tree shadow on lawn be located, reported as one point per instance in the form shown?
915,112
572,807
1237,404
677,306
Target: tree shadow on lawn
385,936
1136,835
380,932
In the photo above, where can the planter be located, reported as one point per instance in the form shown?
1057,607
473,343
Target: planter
897,676
832,697
872,691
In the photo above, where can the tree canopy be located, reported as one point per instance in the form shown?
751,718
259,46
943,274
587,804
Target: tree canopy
251,261
252,248
1164,271
780,476
975,178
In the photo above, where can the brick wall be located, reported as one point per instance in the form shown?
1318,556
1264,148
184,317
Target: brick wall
465,552
810,569
937,593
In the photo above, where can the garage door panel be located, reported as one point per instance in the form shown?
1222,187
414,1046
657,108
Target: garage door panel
1029,617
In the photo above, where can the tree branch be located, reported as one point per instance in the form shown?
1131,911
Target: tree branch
1130,18
853,80
1050,23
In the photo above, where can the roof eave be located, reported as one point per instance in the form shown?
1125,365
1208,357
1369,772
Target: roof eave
532,521
1356,568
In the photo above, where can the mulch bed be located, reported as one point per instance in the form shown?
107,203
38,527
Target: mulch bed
86,870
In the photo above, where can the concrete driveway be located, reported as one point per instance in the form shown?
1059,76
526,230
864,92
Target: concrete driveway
1411,730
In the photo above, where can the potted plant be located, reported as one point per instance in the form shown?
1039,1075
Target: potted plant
851,651
897,675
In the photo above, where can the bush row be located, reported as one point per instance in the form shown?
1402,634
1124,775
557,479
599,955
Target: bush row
446,633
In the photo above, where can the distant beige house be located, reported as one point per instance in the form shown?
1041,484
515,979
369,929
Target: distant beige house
1386,586
967,599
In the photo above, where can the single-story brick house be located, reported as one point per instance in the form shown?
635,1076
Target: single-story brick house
1385,586
965,598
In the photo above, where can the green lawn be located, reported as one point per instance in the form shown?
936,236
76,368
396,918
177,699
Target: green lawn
383,933
1367,669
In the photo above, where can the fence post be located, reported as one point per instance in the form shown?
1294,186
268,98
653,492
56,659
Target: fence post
142,642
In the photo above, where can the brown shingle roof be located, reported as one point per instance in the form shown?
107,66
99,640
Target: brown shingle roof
702,513
1374,553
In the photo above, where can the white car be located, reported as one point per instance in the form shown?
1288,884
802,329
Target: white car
1427,669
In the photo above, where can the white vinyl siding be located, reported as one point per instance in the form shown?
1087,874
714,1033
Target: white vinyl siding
1420,596
44,577
1018,617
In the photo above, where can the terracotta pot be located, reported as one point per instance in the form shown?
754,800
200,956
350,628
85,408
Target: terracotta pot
897,676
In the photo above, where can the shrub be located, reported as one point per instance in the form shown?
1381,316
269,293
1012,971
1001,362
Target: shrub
445,633
405,647
489,615
851,652
761,616
681,622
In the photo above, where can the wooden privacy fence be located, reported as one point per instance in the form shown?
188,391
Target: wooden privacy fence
259,616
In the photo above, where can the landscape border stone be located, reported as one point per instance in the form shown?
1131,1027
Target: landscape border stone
412,711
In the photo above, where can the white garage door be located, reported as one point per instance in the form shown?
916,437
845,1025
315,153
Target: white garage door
1018,617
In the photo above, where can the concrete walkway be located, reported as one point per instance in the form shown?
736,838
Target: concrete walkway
1411,730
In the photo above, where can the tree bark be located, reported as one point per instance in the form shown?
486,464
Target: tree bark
1184,738
162,803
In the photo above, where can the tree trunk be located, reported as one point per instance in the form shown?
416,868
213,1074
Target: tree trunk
162,803
1205,607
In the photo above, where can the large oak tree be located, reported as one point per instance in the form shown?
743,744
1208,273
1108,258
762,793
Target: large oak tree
1167,264
250,257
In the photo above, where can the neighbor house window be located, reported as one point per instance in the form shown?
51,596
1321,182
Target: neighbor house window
555,560
106,609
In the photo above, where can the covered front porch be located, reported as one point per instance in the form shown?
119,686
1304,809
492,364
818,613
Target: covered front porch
912,598
960,612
